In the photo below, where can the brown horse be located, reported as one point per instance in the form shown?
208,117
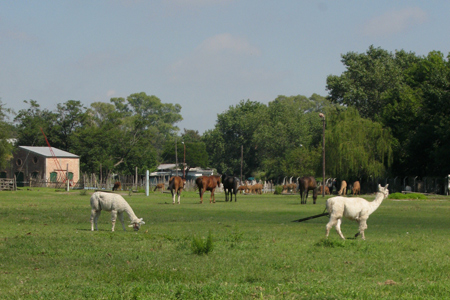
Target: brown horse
176,185
117,186
208,183
305,184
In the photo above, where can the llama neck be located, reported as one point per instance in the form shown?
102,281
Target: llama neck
130,213
376,203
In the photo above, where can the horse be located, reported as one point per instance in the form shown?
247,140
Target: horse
176,185
305,184
117,186
159,186
208,183
230,184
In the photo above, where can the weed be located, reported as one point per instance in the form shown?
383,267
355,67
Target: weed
199,246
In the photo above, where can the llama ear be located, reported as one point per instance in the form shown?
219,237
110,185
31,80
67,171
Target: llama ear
386,186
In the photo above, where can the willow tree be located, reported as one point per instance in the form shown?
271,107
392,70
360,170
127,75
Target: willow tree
356,147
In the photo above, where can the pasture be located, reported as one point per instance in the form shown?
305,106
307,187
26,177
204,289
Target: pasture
47,250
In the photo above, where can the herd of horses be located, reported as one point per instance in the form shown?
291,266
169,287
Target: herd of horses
231,187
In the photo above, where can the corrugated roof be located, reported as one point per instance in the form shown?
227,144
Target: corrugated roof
45,151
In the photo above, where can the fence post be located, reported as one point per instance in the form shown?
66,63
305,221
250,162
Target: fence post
147,175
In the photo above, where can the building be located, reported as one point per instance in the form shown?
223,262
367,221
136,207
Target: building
165,171
38,163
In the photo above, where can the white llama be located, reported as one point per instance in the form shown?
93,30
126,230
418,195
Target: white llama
357,209
116,204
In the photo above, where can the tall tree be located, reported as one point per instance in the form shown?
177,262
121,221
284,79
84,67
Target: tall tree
6,145
356,147
29,123
235,129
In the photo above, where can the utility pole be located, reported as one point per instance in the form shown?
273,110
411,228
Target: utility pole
176,158
184,159
323,154
242,159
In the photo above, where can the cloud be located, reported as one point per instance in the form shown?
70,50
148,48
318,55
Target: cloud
394,22
227,43
186,3
110,93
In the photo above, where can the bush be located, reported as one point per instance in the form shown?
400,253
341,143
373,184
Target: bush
401,196
200,247
278,190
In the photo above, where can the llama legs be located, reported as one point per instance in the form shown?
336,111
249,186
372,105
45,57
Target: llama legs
94,217
338,228
362,227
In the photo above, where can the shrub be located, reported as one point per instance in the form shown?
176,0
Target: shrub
200,246
400,196
278,190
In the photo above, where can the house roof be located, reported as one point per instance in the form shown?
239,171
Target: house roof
45,151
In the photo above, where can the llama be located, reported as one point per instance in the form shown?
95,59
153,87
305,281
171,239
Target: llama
116,204
356,188
343,189
357,209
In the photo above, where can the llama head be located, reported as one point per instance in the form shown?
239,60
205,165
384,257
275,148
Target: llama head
384,190
137,224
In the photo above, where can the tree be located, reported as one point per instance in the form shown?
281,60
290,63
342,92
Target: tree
234,129
356,147
196,155
6,146
290,134
29,123
369,79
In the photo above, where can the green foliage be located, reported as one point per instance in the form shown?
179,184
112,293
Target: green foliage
356,147
196,155
201,246
401,196
278,190
6,146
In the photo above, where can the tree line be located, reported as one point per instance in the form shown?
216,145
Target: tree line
387,114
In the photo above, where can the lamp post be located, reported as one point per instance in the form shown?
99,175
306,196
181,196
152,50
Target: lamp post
322,116
184,159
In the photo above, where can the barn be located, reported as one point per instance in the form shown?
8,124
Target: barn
38,164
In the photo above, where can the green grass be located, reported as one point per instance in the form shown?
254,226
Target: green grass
47,250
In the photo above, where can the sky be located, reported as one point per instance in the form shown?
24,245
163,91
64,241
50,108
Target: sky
205,55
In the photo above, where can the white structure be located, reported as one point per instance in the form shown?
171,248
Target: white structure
357,209
116,204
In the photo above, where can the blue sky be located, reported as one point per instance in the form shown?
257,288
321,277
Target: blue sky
205,55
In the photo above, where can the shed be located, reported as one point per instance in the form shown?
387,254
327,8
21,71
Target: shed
38,163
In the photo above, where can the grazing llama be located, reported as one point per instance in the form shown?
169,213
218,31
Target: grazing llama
357,209
116,205
343,190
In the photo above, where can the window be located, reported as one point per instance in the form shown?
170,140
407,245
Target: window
35,160
19,162
53,176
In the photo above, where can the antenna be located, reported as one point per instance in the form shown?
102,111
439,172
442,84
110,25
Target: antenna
64,177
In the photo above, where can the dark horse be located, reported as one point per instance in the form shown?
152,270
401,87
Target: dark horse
305,184
207,183
117,186
230,186
176,185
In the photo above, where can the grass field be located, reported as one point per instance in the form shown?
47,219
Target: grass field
47,250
